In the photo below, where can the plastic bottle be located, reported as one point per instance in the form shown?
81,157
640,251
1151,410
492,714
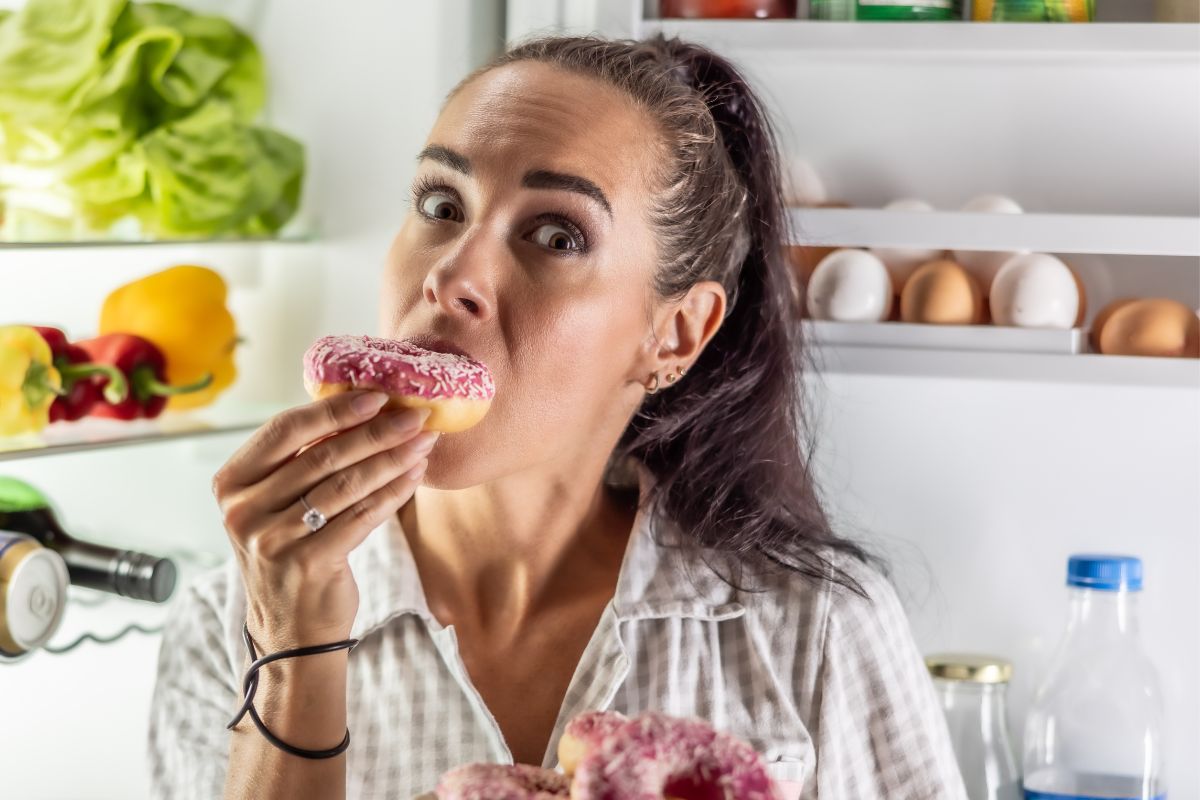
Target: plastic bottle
1094,729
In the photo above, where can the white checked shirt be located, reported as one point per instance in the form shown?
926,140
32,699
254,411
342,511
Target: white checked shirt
828,687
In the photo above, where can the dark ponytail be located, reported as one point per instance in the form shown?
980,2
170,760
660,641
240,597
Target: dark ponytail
728,445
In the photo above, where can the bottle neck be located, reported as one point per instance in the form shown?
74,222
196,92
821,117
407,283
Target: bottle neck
1107,614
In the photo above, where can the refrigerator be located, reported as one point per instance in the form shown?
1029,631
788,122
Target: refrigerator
974,465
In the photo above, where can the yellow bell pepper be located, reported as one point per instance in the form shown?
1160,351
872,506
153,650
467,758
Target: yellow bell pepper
183,311
28,380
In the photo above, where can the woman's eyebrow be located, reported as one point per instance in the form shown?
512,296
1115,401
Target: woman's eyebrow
444,155
538,179
544,179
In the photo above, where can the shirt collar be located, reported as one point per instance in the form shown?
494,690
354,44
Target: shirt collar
660,576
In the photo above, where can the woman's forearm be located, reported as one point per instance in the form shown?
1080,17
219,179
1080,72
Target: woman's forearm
303,702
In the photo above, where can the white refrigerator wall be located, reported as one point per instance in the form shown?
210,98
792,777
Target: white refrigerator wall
978,491
360,84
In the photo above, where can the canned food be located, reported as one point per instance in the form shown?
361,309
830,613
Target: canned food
33,592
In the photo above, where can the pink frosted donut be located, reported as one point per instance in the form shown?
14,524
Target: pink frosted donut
456,389
583,734
502,782
654,756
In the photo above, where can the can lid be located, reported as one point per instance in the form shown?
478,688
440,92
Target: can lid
34,598
1108,573
969,667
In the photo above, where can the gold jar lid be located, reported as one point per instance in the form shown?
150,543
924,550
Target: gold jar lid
970,667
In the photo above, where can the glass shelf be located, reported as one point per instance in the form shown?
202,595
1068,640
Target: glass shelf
91,434
296,237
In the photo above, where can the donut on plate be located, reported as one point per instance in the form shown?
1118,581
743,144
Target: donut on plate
584,733
653,756
502,782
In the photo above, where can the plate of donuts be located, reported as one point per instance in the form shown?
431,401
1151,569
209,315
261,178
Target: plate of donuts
604,754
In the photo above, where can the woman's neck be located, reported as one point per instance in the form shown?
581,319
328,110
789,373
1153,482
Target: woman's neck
494,557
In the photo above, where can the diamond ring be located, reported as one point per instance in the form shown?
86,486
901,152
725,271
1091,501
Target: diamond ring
313,518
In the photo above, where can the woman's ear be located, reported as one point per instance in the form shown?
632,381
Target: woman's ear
683,328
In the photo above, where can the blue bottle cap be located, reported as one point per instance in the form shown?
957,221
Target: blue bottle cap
1105,572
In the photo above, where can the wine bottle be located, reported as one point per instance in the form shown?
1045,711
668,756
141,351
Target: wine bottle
23,509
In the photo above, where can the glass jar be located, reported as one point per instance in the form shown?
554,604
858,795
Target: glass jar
885,10
728,9
972,691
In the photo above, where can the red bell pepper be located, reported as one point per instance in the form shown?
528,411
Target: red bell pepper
80,378
144,367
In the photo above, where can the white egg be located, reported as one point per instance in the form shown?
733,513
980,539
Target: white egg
908,204
850,286
802,186
984,264
1035,290
903,261
992,204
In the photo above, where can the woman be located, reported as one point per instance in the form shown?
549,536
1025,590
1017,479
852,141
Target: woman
600,223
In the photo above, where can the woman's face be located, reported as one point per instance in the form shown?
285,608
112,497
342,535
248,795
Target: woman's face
528,247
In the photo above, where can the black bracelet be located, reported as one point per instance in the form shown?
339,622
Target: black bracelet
250,688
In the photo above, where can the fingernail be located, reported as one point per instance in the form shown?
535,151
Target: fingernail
423,442
369,403
410,418
417,472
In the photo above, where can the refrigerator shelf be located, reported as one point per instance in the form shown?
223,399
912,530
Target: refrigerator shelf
1025,367
93,434
960,230
296,237
910,336
939,40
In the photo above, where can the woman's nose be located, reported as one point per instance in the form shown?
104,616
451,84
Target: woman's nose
462,284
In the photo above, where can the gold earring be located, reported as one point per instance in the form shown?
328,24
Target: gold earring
654,386
671,376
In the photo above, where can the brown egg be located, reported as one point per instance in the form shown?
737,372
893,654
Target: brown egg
1102,317
804,260
1151,328
941,293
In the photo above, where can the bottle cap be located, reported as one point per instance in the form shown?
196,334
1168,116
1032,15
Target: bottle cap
969,667
1109,573
144,577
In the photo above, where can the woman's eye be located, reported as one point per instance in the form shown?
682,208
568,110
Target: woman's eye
440,206
555,237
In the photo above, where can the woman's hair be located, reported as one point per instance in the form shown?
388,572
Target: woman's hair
726,445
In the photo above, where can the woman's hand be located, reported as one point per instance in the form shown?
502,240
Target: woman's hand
352,463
